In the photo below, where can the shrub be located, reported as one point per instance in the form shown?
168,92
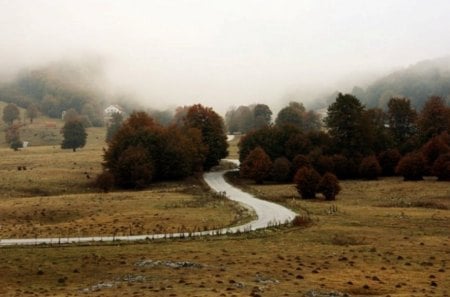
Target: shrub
281,169
301,221
441,167
329,186
105,181
257,165
369,168
307,180
411,167
388,161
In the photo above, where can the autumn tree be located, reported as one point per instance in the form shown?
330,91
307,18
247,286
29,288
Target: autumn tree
329,186
32,111
369,168
257,165
166,153
212,130
307,181
434,118
441,167
345,124
74,135
411,166
10,113
436,146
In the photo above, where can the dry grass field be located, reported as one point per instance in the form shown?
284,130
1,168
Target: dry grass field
46,191
379,238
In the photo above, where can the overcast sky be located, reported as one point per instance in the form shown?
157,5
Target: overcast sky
228,52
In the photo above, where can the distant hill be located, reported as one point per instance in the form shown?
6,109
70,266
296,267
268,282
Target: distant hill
57,87
416,82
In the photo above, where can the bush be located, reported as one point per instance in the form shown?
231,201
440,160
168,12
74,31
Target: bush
369,168
307,180
411,167
257,165
441,167
105,181
388,161
434,148
281,169
324,164
329,186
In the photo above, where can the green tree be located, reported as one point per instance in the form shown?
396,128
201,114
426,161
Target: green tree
256,166
212,130
10,113
281,169
293,114
114,125
262,116
375,120
296,115
74,135
32,112
401,119
12,137
346,126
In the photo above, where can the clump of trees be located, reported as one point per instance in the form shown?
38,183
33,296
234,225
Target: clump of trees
143,151
246,118
357,142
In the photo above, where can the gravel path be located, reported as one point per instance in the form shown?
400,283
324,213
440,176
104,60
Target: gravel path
267,214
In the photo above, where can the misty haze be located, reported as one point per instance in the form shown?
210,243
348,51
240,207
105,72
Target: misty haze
224,148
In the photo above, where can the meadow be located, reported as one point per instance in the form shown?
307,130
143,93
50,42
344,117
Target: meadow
379,238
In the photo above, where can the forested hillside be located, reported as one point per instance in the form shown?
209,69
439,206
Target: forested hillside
55,88
417,82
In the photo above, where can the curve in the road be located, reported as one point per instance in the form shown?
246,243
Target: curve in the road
268,214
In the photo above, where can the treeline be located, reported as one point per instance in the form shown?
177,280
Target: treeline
416,82
56,88
355,142
247,118
143,151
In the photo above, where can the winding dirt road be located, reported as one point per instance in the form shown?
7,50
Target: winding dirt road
268,214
